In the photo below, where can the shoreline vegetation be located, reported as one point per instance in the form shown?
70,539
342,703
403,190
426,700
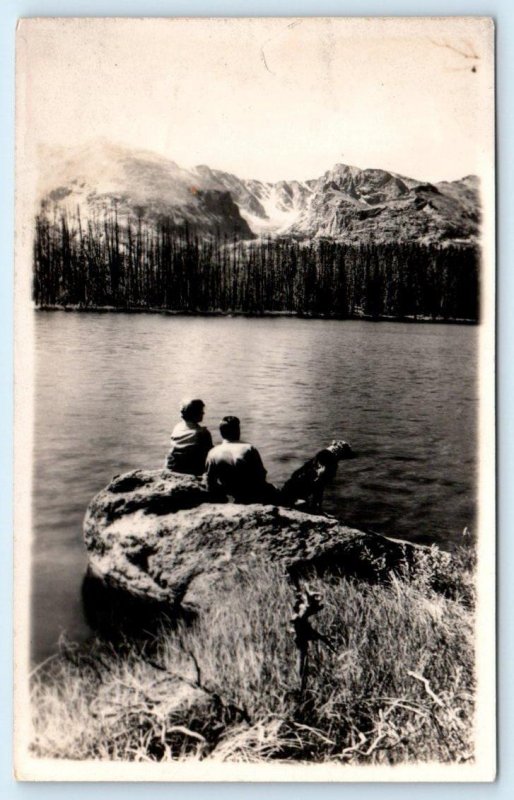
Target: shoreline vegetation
395,686
153,264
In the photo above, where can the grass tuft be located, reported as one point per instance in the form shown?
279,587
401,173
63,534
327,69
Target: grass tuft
397,687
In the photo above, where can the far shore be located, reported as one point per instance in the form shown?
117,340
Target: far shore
252,314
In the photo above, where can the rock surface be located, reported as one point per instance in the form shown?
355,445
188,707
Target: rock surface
158,536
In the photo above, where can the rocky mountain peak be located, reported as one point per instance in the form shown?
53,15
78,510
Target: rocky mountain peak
346,203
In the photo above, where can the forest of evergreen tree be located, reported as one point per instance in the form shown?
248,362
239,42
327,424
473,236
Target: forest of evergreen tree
137,265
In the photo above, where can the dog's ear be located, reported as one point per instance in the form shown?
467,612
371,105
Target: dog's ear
341,448
336,445
347,451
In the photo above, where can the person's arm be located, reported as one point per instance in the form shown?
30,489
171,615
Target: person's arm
210,476
204,443
168,460
254,461
211,480
208,444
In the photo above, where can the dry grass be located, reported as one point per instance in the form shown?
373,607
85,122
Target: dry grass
398,685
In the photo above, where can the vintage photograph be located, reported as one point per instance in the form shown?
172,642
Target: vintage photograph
255,433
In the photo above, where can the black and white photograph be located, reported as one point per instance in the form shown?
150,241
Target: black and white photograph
254,396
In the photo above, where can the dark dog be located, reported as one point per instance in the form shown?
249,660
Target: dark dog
309,481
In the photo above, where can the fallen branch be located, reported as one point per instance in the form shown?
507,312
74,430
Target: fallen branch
426,683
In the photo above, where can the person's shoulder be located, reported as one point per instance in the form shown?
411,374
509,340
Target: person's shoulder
213,452
248,449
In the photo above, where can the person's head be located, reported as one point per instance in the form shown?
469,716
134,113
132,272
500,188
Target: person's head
192,410
230,429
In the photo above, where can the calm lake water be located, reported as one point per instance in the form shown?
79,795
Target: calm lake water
109,385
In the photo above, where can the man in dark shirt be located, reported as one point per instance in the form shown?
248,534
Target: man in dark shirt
190,441
235,468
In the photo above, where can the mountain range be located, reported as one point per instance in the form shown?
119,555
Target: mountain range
345,204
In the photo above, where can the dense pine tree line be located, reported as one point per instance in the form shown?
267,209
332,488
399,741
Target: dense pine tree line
102,263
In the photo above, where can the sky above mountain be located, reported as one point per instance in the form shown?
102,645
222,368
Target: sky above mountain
268,99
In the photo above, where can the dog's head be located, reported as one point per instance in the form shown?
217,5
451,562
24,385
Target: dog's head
341,449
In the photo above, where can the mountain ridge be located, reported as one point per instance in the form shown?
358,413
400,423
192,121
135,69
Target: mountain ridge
345,204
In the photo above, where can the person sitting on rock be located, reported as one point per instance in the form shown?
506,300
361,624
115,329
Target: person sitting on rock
190,441
235,469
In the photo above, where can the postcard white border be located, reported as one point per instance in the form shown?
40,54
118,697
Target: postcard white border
37,769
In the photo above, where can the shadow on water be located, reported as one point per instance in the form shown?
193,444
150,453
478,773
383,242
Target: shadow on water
116,616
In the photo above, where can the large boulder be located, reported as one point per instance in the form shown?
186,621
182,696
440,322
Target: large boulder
158,536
